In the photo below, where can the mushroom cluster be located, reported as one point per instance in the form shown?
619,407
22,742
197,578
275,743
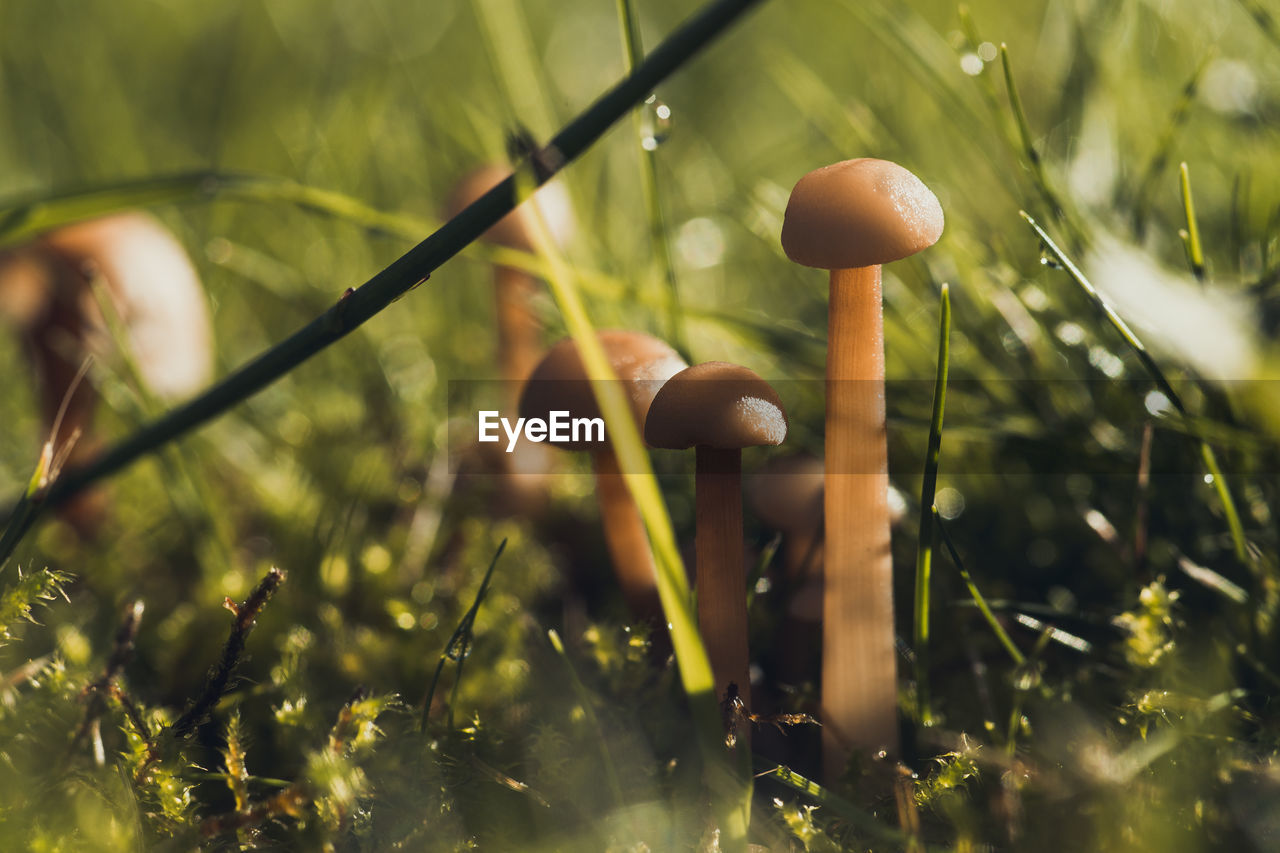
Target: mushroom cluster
849,218
560,383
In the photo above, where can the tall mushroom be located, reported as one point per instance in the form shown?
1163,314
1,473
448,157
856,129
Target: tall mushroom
850,218
560,384
718,409
151,286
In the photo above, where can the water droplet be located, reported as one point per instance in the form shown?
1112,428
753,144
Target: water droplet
1027,677
1157,403
1049,260
655,123
1208,479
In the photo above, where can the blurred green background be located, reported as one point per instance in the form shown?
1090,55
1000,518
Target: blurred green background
338,473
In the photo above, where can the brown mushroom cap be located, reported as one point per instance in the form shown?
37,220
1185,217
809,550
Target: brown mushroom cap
26,284
515,230
154,288
559,382
859,213
715,404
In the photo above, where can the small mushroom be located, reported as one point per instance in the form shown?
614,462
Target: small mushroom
560,384
850,218
47,289
718,409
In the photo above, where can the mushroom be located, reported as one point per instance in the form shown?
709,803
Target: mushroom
518,329
719,408
786,495
519,345
560,384
850,218
47,289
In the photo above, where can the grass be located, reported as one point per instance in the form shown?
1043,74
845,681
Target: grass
1101,661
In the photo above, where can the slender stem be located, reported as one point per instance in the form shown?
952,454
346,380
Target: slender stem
924,542
625,536
357,306
722,581
859,672
518,344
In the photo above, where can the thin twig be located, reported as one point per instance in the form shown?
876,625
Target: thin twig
246,615
357,306
121,652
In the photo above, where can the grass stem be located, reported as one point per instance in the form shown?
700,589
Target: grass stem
924,542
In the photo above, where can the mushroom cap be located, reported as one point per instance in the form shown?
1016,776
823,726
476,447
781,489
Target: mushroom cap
515,230
559,382
155,290
715,404
26,285
859,213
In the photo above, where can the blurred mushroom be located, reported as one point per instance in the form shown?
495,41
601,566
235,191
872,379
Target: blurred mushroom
786,495
518,328
519,344
718,409
47,289
560,384
850,218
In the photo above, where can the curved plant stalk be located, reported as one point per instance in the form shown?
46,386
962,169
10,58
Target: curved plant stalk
1015,654
1209,458
1034,162
355,306
924,542
634,50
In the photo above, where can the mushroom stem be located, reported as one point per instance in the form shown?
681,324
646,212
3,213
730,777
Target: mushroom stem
722,582
625,536
859,678
518,347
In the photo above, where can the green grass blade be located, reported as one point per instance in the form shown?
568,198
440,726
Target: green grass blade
634,50
506,32
1191,236
459,642
1164,144
731,794
835,805
1153,370
1003,636
924,542
584,700
1034,162
1265,19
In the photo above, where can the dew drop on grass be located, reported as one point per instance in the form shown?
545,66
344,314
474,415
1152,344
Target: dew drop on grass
1049,260
1157,403
655,123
